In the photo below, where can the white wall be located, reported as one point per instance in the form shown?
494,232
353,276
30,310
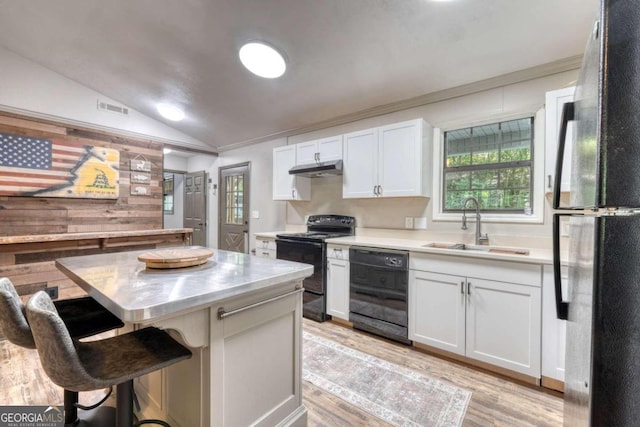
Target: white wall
174,163
38,92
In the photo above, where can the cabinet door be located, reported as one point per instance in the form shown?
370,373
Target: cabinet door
437,310
338,288
360,174
256,364
285,186
555,100
400,159
553,329
330,148
503,325
306,152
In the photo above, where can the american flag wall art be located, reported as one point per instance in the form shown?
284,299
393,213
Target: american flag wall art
42,167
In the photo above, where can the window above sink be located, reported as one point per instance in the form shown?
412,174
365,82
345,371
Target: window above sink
498,160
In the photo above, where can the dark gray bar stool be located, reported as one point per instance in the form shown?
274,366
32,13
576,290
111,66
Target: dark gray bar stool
84,366
83,316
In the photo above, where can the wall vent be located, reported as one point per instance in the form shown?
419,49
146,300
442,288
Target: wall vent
105,106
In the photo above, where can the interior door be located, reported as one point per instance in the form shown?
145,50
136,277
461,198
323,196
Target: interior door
234,208
195,206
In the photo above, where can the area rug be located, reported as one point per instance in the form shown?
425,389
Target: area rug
397,395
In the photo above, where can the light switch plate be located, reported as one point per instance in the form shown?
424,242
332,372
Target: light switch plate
255,214
408,222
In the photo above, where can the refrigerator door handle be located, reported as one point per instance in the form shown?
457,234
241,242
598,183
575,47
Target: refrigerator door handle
562,307
568,114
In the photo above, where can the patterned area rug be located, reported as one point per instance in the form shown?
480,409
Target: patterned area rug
398,395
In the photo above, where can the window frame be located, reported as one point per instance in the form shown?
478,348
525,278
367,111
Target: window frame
537,172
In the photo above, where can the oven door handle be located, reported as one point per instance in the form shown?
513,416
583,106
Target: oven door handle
299,242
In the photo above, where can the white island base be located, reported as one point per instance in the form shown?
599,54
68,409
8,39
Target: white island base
246,367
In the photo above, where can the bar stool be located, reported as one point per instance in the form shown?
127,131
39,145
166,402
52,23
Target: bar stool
83,316
84,366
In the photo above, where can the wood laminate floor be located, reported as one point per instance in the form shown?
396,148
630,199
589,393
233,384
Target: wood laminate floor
495,401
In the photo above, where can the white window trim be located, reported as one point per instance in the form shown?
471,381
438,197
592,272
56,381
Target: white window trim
537,216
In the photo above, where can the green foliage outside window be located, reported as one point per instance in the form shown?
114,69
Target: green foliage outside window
492,163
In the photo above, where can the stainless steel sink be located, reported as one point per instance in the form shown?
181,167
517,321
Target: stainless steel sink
465,247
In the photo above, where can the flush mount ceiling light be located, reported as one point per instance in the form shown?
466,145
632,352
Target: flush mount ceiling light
166,150
262,60
170,112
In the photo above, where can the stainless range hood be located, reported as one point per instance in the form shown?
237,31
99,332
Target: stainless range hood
318,169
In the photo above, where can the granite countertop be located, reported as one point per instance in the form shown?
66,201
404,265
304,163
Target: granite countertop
134,293
536,255
38,238
270,234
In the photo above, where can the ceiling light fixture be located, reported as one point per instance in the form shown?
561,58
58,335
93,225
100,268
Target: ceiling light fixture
170,112
166,150
262,60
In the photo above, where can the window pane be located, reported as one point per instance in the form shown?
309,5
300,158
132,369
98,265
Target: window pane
492,163
234,198
457,144
458,181
484,179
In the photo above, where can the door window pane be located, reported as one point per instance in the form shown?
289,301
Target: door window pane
234,186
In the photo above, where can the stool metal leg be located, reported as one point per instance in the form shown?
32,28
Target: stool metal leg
70,410
124,404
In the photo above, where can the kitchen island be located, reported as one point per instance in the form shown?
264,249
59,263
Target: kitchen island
239,314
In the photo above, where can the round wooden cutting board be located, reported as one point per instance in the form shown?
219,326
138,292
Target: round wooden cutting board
175,258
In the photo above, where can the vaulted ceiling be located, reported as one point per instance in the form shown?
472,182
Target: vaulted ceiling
343,56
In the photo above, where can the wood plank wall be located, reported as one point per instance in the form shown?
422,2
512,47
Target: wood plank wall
42,215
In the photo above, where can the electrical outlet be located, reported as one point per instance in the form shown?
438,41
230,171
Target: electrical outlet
52,291
408,222
420,223
564,229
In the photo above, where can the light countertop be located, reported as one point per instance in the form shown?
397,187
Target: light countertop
134,293
269,234
536,255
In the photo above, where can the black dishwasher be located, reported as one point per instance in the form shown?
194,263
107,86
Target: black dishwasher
378,282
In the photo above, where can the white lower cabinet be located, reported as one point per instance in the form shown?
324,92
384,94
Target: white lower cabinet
491,314
266,247
338,282
553,332
437,310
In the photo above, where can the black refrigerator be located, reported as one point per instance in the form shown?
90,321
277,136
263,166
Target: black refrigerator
602,303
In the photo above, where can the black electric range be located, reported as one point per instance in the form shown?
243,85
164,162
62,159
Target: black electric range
311,248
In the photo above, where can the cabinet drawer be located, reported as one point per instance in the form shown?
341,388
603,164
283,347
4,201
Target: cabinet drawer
500,271
338,252
269,244
266,253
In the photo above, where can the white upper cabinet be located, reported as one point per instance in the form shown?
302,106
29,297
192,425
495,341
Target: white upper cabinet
389,161
555,100
360,169
321,150
285,186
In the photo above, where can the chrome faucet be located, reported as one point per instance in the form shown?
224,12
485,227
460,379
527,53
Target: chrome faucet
481,239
